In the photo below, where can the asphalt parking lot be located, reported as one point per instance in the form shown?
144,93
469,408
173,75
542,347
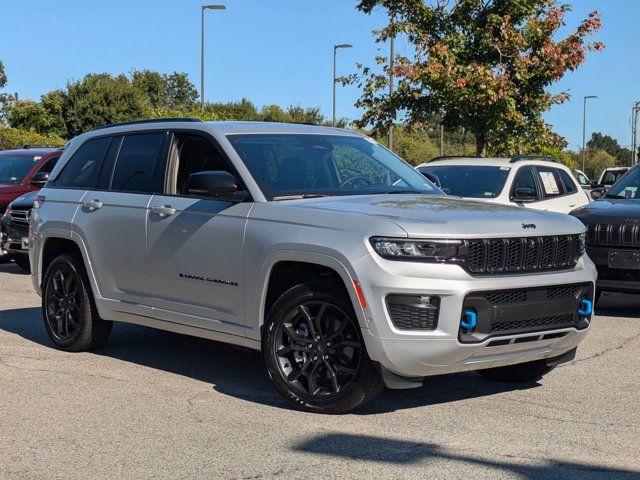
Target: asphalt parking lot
152,404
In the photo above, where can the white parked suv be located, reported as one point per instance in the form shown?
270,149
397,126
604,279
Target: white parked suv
525,181
315,245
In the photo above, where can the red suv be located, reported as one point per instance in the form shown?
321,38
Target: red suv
24,170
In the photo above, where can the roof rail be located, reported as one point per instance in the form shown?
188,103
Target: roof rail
41,146
544,158
153,120
446,157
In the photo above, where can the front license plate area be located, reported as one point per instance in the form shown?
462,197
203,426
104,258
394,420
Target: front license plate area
627,259
25,243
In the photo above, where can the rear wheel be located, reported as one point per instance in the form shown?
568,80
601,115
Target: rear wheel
70,314
22,261
314,352
520,373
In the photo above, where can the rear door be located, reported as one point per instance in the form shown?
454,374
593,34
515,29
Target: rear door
559,192
195,245
112,216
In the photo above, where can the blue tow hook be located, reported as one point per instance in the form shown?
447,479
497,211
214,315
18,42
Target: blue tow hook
586,308
470,320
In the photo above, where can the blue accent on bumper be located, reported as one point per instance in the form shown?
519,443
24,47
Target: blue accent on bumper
470,320
586,308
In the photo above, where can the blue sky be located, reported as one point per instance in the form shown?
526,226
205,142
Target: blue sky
276,51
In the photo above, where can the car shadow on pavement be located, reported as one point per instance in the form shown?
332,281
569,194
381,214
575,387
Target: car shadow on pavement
238,372
383,450
624,305
11,267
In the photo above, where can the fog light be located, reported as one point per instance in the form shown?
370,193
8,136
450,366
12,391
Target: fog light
413,312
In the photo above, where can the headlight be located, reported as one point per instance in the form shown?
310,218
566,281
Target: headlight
583,241
425,250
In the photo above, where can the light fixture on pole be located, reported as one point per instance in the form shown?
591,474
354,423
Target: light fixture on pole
205,7
584,128
335,50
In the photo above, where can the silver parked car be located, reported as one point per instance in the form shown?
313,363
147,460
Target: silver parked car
346,267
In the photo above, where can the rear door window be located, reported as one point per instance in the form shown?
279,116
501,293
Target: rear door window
550,181
83,168
139,167
567,182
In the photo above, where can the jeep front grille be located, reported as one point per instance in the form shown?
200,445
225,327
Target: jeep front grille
623,235
20,215
527,254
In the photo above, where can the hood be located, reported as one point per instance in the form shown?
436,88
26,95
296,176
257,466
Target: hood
25,200
610,211
8,188
446,217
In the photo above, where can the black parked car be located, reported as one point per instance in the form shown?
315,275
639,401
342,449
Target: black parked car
15,229
613,234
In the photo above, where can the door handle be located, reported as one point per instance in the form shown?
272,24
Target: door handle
163,211
92,205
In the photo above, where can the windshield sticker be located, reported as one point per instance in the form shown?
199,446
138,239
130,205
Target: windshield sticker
630,192
549,182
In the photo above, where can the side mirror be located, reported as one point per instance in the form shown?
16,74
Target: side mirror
598,192
217,184
594,184
524,194
39,179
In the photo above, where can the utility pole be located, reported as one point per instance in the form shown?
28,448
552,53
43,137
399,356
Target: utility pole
204,8
335,78
391,55
584,129
634,133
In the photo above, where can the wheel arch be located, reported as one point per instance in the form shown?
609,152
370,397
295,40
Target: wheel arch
287,269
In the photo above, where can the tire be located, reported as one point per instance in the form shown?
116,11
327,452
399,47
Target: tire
68,308
332,374
519,373
22,261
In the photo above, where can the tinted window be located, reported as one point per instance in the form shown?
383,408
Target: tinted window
525,179
49,164
82,169
550,181
299,164
567,182
612,176
194,154
469,181
134,170
627,187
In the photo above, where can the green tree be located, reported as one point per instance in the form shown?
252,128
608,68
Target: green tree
100,99
481,65
15,138
596,161
3,76
610,145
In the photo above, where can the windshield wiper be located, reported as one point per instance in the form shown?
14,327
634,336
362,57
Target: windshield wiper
298,197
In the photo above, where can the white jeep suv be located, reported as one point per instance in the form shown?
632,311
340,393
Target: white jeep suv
525,181
319,247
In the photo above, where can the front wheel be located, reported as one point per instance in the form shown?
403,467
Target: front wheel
519,373
70,315
314,352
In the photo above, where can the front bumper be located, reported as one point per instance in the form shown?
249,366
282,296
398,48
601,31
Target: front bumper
419,353
613,279
11,238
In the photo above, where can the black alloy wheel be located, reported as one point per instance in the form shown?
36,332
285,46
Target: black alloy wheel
314,353
319,350
64,307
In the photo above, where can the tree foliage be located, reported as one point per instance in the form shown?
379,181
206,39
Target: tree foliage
14,138
610,145
483,65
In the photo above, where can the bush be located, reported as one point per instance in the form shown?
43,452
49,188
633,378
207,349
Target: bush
15,138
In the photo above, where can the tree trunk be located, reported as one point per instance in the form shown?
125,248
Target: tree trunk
481,142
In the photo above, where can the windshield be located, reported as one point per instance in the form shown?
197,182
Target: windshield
626,187
294,165
13,169
469,181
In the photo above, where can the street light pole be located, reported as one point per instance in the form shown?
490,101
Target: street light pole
584,128
204,7
634,133
335,50
392,54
